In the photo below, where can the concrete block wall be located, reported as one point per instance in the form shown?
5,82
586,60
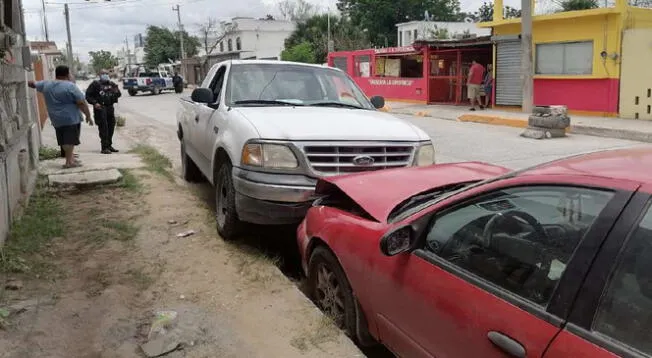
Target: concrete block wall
19,138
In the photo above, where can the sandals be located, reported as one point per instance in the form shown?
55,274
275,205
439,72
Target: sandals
75,164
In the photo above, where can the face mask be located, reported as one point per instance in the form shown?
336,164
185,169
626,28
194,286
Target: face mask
104,77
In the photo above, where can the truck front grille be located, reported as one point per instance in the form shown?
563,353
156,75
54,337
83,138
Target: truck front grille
339,159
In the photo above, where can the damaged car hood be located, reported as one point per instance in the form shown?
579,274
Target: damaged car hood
381,191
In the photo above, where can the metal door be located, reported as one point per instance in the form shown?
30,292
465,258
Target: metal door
508,73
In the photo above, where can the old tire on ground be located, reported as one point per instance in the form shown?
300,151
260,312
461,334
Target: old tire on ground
541,110
189,169
550,122
132,92
228,224
330,289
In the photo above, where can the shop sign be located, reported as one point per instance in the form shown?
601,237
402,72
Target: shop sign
402,49
390,82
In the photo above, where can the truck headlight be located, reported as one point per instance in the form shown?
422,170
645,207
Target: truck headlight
274,156
425,155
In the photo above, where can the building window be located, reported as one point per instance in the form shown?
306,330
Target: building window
363,66
567,58
8,13
341,63
221,46
238,44
230,45
415,35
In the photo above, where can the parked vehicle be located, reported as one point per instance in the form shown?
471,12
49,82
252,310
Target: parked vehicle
470,260
263,132
153,81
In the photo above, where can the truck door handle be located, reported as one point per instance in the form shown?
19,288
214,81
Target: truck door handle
507,344
196,118
215,129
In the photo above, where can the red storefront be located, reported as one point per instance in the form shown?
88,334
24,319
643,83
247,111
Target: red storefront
401,74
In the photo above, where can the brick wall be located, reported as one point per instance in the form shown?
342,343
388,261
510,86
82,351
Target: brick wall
19,131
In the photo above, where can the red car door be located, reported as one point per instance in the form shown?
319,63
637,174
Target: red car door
485,280
613,313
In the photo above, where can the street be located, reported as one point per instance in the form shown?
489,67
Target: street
454,141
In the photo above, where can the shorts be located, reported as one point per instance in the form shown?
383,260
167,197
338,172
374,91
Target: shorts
473,91
487,90
68,135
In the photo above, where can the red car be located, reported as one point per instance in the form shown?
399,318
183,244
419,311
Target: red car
471,260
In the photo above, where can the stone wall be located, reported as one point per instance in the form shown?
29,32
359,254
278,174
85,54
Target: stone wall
19,131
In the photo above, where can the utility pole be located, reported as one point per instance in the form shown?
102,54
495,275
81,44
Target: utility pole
71,61
45,22
527,70
183,52
331,45
128,53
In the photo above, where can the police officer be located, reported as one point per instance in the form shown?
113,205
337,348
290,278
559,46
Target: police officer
102,94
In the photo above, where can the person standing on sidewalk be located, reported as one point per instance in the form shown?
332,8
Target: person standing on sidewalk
64,101
474,81
488,84
102,94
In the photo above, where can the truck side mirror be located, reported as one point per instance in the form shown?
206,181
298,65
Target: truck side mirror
202,95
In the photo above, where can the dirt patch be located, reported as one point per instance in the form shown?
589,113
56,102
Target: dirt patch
89,270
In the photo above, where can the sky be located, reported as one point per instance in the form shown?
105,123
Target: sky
102,24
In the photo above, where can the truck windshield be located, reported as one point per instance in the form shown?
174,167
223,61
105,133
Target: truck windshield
303,85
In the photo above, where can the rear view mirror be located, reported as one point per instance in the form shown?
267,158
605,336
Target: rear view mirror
378,101
397,241
202,95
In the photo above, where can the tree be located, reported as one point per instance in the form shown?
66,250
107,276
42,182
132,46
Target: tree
163,45
486,12
102,59
314,31
380,17
572,5
211,33
296,10
302,52
63,60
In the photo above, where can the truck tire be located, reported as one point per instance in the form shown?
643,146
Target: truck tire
228,224
550,122
156,91
189,169
132,92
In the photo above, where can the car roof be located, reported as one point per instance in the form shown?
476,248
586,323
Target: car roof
633,164
276,62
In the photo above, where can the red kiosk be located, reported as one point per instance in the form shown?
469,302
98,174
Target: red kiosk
401,74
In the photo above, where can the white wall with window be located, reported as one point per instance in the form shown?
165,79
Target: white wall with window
564,58
408,32
256,38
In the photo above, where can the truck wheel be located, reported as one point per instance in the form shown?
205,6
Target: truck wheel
132,92
189,169
156,91
229,225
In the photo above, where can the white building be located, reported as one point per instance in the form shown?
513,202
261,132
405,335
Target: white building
136,55
252,39
408,32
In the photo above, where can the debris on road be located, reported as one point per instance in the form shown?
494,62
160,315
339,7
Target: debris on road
13,285
186,233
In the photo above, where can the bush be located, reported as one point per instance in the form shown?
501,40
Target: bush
302,52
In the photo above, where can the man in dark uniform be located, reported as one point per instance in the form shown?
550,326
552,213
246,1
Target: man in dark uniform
102,94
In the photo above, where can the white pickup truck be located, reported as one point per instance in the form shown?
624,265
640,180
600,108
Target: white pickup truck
263,132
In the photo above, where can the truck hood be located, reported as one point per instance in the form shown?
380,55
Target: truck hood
319,123
398,185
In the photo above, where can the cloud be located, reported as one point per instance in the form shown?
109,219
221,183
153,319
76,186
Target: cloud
98,24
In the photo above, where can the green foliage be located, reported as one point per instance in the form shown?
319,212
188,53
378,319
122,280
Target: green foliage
380,17
486,12
572,5
163,45
102,60
314,31
299,53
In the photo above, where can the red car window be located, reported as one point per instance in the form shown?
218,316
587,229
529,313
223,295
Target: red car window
625,311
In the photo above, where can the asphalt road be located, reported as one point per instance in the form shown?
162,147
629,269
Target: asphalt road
454,141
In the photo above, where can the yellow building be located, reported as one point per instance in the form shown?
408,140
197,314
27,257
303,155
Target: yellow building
594,61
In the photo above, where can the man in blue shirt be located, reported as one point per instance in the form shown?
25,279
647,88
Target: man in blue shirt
64,101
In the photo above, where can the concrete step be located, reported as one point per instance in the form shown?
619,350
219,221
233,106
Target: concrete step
87,178
92,162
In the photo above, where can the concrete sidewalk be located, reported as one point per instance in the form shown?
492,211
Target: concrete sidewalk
96,168
630,129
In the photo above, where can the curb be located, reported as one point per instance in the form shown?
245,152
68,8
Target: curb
624,134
